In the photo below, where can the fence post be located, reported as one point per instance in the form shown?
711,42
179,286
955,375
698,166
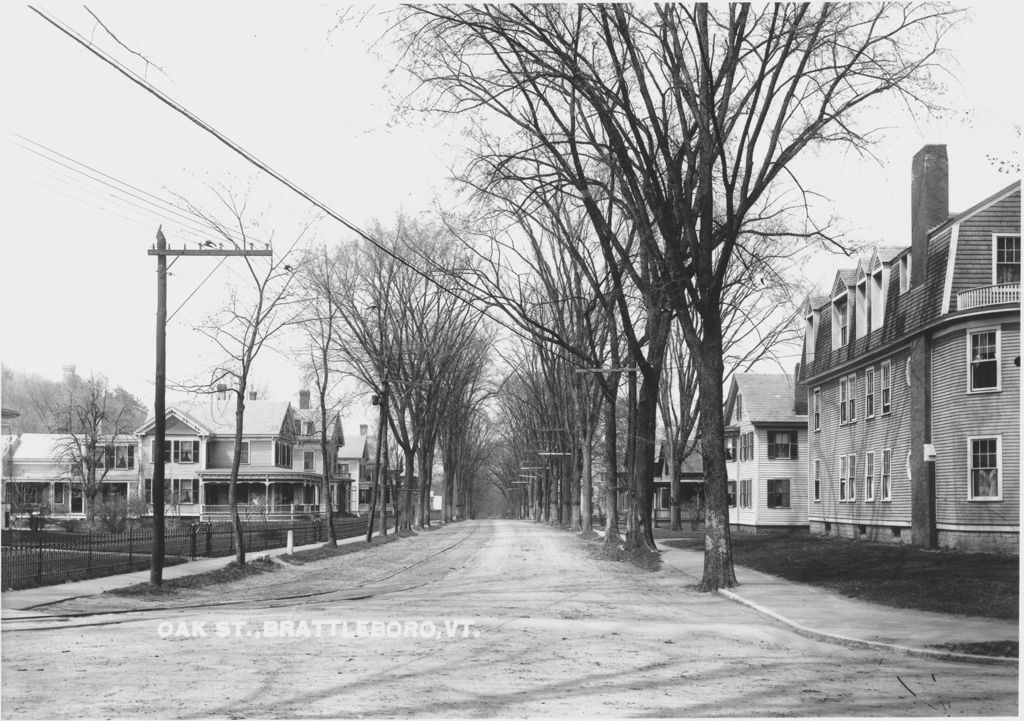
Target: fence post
209,539
88,567
192,542
129,548
39,570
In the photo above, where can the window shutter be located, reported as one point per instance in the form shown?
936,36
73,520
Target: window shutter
794,444
771,445
195,490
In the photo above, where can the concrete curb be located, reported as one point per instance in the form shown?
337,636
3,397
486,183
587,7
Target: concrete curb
871,645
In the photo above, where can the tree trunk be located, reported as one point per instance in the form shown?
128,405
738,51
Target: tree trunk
587,485
576,481
718,567
676,489
611,523
236,461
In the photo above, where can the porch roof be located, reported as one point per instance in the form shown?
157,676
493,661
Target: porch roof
251,475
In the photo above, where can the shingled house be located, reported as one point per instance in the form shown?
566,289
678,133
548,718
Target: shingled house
912,368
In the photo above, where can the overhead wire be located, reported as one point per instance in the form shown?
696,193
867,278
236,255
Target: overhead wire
252,159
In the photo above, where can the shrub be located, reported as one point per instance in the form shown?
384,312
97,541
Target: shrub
111,513
69,524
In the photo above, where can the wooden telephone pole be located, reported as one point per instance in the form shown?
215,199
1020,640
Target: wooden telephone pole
161,251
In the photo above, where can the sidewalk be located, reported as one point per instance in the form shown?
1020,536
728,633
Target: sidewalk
15,602
824,615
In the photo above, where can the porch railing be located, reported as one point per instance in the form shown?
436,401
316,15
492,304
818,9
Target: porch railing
988,295
256,509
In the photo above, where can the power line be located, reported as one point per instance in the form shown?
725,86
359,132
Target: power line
162,205
252,159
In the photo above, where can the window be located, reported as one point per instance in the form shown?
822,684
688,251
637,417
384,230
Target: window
181,451
307,428
886,389
245,453
817,480
983,374
985,465
851,384
730,448
745,500
297,426
869,393
732,494
282,455
861,309
185,490
364,496
58,493
887,475
307,461
343,469
809,331
778,493
739,406
844,396
1007,259
843,461
878,287
782,445
747,446
869,476
840,321
124,456
853,477
905,266
817,409
663,499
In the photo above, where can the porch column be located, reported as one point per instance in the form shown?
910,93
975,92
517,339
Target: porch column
266,483
50,501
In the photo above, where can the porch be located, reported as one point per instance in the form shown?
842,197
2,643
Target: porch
267,499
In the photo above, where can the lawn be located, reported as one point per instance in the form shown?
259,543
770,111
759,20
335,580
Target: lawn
970,584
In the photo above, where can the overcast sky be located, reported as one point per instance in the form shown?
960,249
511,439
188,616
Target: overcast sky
306,88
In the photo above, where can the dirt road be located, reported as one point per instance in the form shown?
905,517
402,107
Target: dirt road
488,618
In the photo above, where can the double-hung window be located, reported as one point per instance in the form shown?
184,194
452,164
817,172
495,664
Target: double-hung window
1007,259
983,369
851,383
307,461
869,393
886,389
985,459
745,501
730,448
732,493
181,451
887,474
817,480
844,396
853,477
843,478
778,493
869,476
782,445
817,409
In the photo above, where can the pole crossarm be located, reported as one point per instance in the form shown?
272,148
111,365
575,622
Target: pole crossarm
204,251
606,370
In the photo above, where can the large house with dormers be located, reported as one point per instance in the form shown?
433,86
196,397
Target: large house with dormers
912,369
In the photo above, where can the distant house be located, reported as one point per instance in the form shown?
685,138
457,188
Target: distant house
912,368
36,481
766,442
356,458
273,482
308,453
691,475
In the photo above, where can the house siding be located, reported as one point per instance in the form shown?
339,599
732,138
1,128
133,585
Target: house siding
973,266
883,431
957,415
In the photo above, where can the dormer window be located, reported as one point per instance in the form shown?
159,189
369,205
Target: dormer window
840,321
862,308
905,264
810,330
877,301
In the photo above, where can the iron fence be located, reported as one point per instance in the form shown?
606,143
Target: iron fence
43,558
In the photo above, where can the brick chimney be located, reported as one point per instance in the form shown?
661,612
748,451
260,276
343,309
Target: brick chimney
252,395
303,400
799,393
364,430
929,204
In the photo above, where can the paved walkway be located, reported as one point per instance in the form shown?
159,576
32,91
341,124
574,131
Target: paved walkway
13,602
819,613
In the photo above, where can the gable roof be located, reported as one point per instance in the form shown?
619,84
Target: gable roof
354,447
212,417
767,398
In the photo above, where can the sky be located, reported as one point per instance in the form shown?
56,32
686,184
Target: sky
310,89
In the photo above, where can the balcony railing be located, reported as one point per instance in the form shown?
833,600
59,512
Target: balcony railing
988,295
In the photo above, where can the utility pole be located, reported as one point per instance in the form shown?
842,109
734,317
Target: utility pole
382,427
161,251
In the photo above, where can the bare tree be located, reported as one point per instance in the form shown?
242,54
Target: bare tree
688,119
254,314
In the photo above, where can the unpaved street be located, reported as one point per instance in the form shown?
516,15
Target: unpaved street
537,628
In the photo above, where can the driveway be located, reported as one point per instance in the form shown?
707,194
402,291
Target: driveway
486,618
